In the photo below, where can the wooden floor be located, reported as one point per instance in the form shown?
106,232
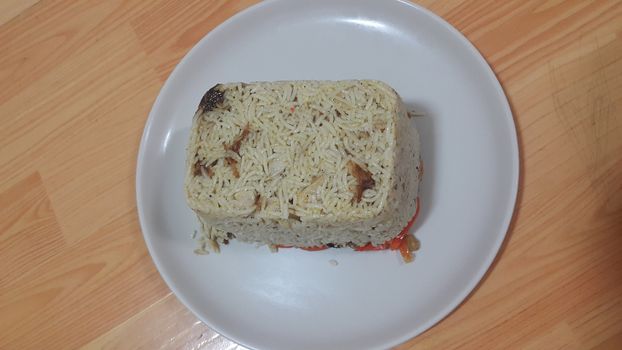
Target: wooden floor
77,80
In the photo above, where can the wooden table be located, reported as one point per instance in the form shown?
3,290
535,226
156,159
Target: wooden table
77,80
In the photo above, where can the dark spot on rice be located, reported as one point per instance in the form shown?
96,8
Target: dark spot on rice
196,168
363,178
237,142
257,202
202,169
294,217
212,98
234,166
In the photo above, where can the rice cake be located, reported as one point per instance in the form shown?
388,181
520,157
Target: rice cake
302,163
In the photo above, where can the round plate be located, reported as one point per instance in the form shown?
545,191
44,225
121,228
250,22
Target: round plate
300,300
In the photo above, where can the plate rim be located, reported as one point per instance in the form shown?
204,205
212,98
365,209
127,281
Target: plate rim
487,263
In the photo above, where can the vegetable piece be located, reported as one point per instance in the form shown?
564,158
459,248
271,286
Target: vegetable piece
396,242
406,253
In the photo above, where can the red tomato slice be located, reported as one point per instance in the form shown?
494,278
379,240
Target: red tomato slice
369,247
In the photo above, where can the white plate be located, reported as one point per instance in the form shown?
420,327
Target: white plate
297,299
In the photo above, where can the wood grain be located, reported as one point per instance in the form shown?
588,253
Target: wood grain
77,80
13,8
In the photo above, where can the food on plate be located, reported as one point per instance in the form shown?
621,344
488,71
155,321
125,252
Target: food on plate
305,164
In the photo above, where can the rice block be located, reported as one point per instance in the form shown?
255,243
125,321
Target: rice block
302,163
